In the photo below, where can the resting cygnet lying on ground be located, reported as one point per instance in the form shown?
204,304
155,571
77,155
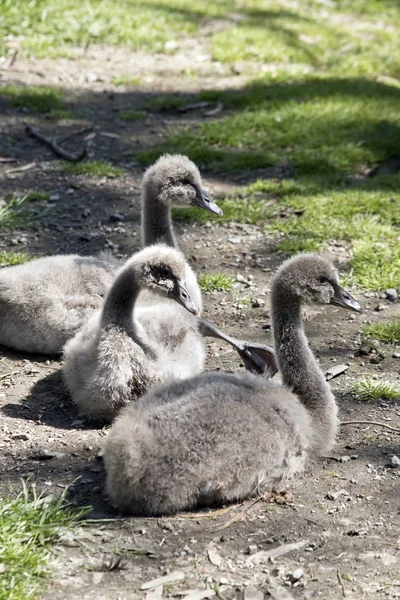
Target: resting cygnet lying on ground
126,348
218,438
44,302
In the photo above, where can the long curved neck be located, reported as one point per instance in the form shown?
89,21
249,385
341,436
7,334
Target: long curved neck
156,222
300,370
119,305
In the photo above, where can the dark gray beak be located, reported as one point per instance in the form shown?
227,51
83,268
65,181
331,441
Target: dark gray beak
203,200
182,296
345,300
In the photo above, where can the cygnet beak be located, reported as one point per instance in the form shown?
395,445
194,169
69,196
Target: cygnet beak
182,296
345,300
203,200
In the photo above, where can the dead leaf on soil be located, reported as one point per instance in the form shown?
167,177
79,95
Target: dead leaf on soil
271,555
213,556
278,497
335,371
174,577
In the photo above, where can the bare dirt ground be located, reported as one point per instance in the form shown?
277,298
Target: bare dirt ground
345,509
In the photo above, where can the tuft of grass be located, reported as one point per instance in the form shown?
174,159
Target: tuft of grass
219,282
34,98
370,389
37,196
29,525
14,214
62,114
132,115
126,81
388,332
11,258
165,102
92,167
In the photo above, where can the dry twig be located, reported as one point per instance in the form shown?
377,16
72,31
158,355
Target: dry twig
53,144
339,577
370,423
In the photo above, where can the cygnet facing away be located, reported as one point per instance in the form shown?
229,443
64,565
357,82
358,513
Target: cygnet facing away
218,438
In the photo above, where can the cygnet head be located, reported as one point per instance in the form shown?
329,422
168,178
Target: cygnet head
174,179
162,269
309,278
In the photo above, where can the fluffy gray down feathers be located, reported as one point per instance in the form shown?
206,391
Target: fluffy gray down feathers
219,438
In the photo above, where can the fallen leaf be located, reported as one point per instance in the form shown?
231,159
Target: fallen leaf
174,577
264,555
213,556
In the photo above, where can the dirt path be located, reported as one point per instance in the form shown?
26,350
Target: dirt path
346,508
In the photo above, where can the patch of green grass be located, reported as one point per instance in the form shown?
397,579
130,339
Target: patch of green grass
28,527
250,210
315,124
388,331
92,167
126,81
11,258
370,389
310,212
35,98
37,196
218,282
49,28
132,115
305,214
62,114
165,102
14,213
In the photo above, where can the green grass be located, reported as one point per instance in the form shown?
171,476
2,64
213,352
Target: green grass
15,214
388,331
316,124
37,196
35,98
371,389
165,102
305,214
11,258
132,115
48,28
93,168
126,80
29,525
218,282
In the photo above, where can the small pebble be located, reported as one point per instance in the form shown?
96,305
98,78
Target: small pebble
42,454
117,218
391,294
296,575
396,355
395,461
257,303
378,358
379,307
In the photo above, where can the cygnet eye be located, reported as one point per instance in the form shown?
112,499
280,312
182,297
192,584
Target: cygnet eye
323,279
162,273
186,182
